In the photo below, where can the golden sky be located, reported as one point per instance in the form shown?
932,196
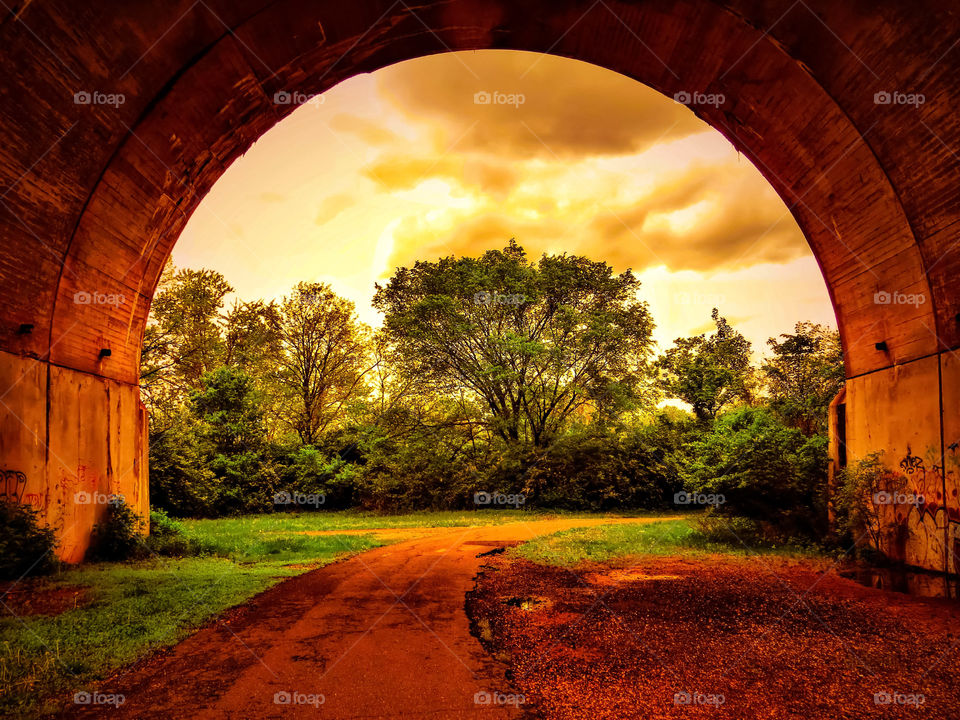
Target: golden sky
405,164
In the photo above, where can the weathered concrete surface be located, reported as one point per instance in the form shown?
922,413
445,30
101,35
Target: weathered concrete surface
382,635
94,195
70,442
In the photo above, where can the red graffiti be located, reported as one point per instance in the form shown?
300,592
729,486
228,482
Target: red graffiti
35,499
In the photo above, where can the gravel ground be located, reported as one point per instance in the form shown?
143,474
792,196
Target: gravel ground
718,637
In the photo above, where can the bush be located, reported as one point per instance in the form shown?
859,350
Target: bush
766,471
181,481
167,538
119,536
735,531
26,547
860,516
602,471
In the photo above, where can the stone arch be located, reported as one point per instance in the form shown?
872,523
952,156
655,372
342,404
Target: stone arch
95,195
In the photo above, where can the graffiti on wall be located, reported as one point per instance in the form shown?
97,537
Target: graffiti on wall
935,520
12,485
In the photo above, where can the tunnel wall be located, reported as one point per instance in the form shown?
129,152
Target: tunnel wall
70,442
898,412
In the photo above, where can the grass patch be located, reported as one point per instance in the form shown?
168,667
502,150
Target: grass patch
134,608
223,533
608,542
138,607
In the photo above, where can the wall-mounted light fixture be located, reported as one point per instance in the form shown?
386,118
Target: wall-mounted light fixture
882,346
25,329
104,352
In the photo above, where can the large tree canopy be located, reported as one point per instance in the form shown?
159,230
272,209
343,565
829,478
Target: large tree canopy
537,344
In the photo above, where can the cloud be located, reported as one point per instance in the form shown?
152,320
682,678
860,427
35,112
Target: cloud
708,217
404,172
734,220
332,206
592,111
271,197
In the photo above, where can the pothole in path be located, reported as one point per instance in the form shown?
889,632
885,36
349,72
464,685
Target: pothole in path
528,604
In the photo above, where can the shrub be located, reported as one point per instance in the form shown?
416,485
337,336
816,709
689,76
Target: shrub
118,536
26,546
735,531
167,538
766,471
859,515
607,470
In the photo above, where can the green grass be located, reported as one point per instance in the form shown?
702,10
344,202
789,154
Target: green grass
135,608
608,542
224,531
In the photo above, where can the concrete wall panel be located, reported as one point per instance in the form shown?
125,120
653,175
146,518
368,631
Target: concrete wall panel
68,456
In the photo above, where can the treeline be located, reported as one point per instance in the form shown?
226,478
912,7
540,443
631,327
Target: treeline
492,379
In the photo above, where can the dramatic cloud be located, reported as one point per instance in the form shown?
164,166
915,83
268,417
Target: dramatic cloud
403,165
568,108
706,218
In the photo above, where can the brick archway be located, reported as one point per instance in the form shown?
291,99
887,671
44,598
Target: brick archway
95,195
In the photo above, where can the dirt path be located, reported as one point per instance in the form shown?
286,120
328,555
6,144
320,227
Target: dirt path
381,635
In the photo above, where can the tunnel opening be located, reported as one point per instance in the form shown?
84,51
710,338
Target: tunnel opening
101,180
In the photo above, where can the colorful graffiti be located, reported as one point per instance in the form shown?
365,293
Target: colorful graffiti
933,540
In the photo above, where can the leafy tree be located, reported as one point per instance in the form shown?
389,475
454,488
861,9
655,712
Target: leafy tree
249,337
804,374
183,339
233,439
708,372
536,345
323,358
181,481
